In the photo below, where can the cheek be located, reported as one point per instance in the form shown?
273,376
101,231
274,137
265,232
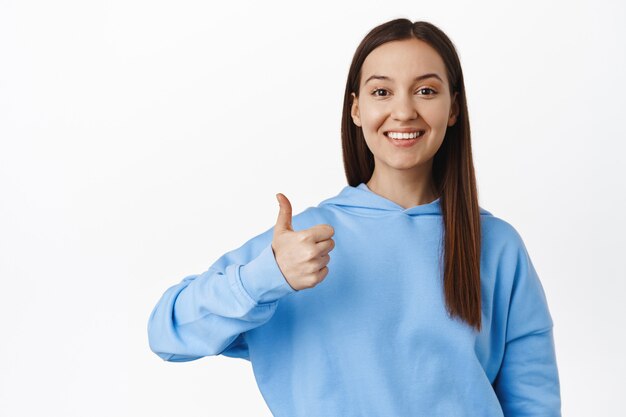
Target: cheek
436,116
372,117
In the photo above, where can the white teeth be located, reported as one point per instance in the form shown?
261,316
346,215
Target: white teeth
396,135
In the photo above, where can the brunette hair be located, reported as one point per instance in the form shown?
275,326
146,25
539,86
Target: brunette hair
452,170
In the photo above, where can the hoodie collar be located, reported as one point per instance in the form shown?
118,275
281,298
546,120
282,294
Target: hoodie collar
361,199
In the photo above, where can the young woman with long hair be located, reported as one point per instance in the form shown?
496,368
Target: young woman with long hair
430,304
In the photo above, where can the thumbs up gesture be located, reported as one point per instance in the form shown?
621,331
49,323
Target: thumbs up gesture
302,256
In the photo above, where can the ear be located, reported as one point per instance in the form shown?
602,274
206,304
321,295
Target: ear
354,111
454,110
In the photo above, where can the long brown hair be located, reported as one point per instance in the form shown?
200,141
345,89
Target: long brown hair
452,170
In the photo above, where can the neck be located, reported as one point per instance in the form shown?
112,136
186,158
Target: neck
406,192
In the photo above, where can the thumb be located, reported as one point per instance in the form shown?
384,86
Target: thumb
284,214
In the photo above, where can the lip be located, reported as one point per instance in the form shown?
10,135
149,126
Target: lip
404,143
404,130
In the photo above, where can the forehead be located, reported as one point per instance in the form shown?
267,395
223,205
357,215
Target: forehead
403,60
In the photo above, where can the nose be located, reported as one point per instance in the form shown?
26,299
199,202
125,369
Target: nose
404,108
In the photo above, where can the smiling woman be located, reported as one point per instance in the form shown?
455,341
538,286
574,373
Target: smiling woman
430,305
405,126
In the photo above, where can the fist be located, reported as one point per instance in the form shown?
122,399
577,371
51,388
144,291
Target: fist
302,256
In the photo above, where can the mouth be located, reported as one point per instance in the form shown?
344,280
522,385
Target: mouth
404,140
404,135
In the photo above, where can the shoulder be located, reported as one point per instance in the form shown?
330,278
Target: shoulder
499,234
312,216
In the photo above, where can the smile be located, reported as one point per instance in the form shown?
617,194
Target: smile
404,140
400,135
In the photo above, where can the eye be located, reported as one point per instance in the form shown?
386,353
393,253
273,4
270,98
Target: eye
430,89
378,89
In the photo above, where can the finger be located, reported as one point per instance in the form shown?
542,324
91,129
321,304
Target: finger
283,222
320,232
325,246
319,263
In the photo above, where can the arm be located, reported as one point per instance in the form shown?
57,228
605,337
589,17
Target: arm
209,313
527,383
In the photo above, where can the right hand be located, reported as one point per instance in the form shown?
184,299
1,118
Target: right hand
302,256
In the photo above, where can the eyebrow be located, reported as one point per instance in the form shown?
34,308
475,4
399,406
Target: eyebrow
418,78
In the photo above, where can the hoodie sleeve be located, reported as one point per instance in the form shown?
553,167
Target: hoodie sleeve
209,313
527,383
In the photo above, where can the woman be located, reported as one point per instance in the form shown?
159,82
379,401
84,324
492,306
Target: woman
429,306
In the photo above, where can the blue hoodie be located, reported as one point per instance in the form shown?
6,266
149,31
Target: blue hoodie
373,338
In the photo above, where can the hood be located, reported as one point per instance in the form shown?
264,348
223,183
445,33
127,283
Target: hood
362,200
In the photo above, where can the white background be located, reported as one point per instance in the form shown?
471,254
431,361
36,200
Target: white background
140,140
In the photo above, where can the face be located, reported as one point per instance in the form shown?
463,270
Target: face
393,100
